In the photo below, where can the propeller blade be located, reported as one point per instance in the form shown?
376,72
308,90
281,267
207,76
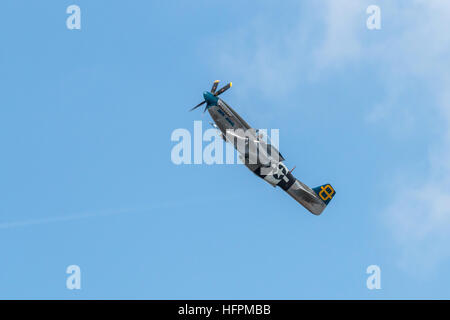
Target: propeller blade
198,105
223,89
214,87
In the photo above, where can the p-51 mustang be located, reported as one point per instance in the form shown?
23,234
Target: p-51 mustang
259,155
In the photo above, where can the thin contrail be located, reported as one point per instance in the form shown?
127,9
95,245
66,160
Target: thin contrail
24,223
91,214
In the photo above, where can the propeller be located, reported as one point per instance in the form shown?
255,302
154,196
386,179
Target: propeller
223,89
209,96
214,87
198,105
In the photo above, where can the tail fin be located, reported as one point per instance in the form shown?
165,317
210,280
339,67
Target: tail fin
325,192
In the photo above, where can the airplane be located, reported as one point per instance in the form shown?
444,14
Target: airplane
259,155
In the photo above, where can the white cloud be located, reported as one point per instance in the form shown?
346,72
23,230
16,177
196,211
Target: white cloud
272,58
415,47
412,46
344,24
419,215
269,67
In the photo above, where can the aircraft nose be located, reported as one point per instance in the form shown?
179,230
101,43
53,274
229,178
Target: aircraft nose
210,98
207,95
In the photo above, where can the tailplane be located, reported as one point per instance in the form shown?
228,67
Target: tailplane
325,192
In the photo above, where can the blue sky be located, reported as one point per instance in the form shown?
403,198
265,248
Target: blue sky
87,179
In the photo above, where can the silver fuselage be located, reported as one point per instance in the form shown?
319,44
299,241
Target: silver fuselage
262,159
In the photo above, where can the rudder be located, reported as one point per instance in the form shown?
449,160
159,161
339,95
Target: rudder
325,192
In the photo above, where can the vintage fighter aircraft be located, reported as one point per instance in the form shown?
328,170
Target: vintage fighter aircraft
258,154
